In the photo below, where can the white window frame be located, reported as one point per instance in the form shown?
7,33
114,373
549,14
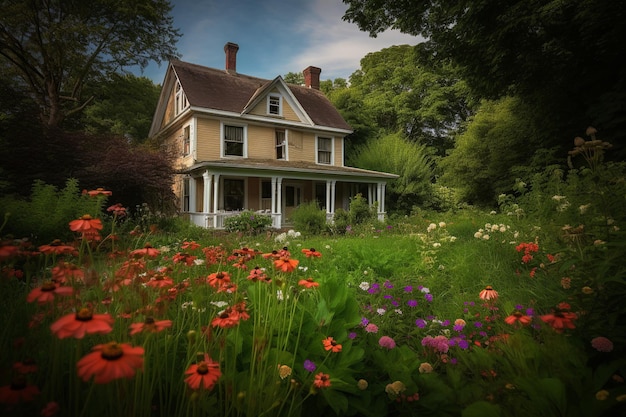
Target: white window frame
318,150
181,99
223,126
186,140
283,145
271,103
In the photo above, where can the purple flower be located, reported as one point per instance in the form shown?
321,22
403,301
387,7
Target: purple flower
387,342
408,288
388,297
445,323
352,335
309,365
428,297
478,324
374,288
364,321
421,323
388,284
530,312
463,344
458,327
412,303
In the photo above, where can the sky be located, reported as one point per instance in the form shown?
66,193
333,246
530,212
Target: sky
275,37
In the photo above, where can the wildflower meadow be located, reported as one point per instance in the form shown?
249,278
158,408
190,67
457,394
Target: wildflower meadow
513,312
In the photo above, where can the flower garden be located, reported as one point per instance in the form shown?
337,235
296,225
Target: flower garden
467,313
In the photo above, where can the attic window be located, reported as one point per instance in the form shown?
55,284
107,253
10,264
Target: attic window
181,99
274,107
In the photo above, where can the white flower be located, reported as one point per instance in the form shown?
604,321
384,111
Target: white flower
495,228
425,290
478,235
398,311
431,227
219,304
516,235
364,285
279,295
558,197
381,311
164,249
327,247
281,237
293,233
492,212
583,209
303,268
198,261
502,229
485,237
436,245
442,224
452,238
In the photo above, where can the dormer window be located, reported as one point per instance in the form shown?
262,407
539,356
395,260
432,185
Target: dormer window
274,105
181,99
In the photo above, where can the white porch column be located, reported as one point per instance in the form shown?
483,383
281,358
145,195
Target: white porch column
381,198
216,189
192,195
206,197
370,194
330,196
279,195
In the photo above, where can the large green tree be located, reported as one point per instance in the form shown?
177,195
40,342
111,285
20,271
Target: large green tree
564,56
58,48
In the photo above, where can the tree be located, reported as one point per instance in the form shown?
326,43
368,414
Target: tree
294,78
394,154
125,106
564,56
58,48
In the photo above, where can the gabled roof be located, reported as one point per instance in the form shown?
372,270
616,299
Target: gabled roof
216,89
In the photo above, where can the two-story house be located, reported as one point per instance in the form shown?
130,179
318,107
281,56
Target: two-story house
245,143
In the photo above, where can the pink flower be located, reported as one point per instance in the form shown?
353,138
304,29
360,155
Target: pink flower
387,342
371,328
602,344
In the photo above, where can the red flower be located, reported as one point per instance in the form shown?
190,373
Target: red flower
331,344
322,380
99,191
203,374
308,283
226,319
45,293
56,247
190,245
147,251
311,253
80,323
286,264
488,294
28,366
64,271
185,258
560,320
218,279
258,274
518,317
51,409
160,281
118,210
110,361
18,392
150,325
85,224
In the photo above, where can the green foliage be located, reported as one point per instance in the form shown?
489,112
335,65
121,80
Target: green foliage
247,222
50,210
309,219
396,155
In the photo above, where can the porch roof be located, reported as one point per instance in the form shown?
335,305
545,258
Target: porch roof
269,167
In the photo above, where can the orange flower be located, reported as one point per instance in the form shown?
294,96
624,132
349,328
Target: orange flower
218,279
150,325
518,317
560,320
160,281
47,291
56,247
226,319
118,210
65,270
110,361
311,253
190,245
18,392
331,344
99,191
286,264
488,294
203,374
322,380
147,251
80,323
308,283
258,274
85,224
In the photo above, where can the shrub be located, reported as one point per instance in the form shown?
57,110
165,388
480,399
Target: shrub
310,219
248,222
341,222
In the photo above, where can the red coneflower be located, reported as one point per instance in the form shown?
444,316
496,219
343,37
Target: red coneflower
488,294
518,318
86,224
56,247
308,283
331,344
160,281
80,323
560,320
47,291
322,380
118,210
218,279
311,253
203,374
110,361
258,274
286,264
65,271
147,251
226,319
98,192
185,258
190,245
150,325
18,392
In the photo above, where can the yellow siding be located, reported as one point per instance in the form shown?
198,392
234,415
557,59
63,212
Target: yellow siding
199,194
288,112
169,111
301,146
261,142
338,155
208,139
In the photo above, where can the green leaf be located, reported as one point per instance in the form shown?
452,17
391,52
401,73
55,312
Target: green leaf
481,409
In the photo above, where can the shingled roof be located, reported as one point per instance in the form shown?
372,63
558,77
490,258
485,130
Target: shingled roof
217,89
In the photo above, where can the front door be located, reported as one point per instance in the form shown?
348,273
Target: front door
293,198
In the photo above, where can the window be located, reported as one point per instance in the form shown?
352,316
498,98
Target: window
233,140
186,140
186,192
233,194
320,194
266,195
273,105
324,150
181,99
281,144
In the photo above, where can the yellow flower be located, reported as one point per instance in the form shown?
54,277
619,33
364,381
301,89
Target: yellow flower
621,398
602,395
587,290
425,368
362,384
395,388
284,371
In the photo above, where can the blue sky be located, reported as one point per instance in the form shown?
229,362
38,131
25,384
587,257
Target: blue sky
274,37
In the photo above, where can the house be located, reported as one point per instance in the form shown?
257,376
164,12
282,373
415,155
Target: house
245,143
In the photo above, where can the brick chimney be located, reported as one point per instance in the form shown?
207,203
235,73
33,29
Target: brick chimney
231,57
312,77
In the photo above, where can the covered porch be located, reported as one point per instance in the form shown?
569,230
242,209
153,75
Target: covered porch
213,192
